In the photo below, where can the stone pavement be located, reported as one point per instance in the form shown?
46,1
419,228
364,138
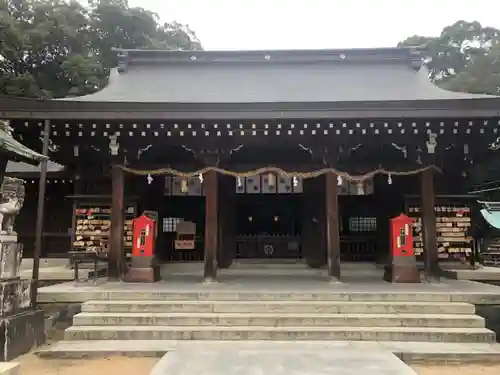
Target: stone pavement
281,362
410,352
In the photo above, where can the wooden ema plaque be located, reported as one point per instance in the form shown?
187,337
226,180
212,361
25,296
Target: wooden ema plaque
186,232
452,226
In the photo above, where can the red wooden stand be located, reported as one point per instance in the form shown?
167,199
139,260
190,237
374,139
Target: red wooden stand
403,265
144,268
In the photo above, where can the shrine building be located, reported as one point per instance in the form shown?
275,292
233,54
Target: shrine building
293,154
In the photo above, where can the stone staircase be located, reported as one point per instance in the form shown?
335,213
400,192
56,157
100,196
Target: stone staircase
223,316
491,255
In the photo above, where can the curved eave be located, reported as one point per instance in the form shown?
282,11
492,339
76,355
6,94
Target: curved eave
491,217
21,108
17,151
24,169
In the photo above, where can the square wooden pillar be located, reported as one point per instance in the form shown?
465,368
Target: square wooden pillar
332,226
427,203
227,221
115,254
314,222
211,226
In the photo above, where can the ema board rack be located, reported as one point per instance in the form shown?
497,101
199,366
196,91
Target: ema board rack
453,222
92,228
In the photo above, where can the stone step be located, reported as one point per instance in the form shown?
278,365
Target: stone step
257,295
332,307
269,272
278,320
267,263
408,351
417,334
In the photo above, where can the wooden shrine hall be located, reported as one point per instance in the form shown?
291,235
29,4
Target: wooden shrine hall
271,154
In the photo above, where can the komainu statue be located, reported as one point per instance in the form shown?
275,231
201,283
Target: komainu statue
11,202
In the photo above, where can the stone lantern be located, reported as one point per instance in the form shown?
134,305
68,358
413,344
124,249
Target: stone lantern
21,326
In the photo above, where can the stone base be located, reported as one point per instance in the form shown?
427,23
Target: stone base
15,296
11,253
143,275
402,273
8,237
20,333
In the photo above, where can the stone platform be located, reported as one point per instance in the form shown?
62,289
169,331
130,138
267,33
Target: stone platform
436,321
488,274
280,362
54,270
184,286
9,368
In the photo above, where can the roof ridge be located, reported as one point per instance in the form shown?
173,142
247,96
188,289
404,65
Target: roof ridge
408,56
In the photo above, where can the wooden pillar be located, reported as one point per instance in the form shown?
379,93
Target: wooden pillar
115,254
313,223
40,213
305,233
427,195
383,197
332,225
78,189
227,224
230,233
211,226
78,184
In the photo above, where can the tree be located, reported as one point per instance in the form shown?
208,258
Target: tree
36,37
55,48
465,58
454,58
178,36
115,24
482,75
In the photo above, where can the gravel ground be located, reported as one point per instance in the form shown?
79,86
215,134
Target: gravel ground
457,370
32,365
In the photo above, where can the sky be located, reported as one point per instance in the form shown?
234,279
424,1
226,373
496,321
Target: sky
294,24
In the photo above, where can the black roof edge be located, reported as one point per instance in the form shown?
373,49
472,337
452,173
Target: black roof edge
62,109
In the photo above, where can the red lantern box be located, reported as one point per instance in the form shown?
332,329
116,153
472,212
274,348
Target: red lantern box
402,267
143,268
401,228
144,237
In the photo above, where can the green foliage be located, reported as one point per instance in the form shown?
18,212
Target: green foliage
465,57
482,75
56,48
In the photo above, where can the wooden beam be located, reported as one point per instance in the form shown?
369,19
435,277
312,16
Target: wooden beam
115,254
431,265
211,225
332,226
